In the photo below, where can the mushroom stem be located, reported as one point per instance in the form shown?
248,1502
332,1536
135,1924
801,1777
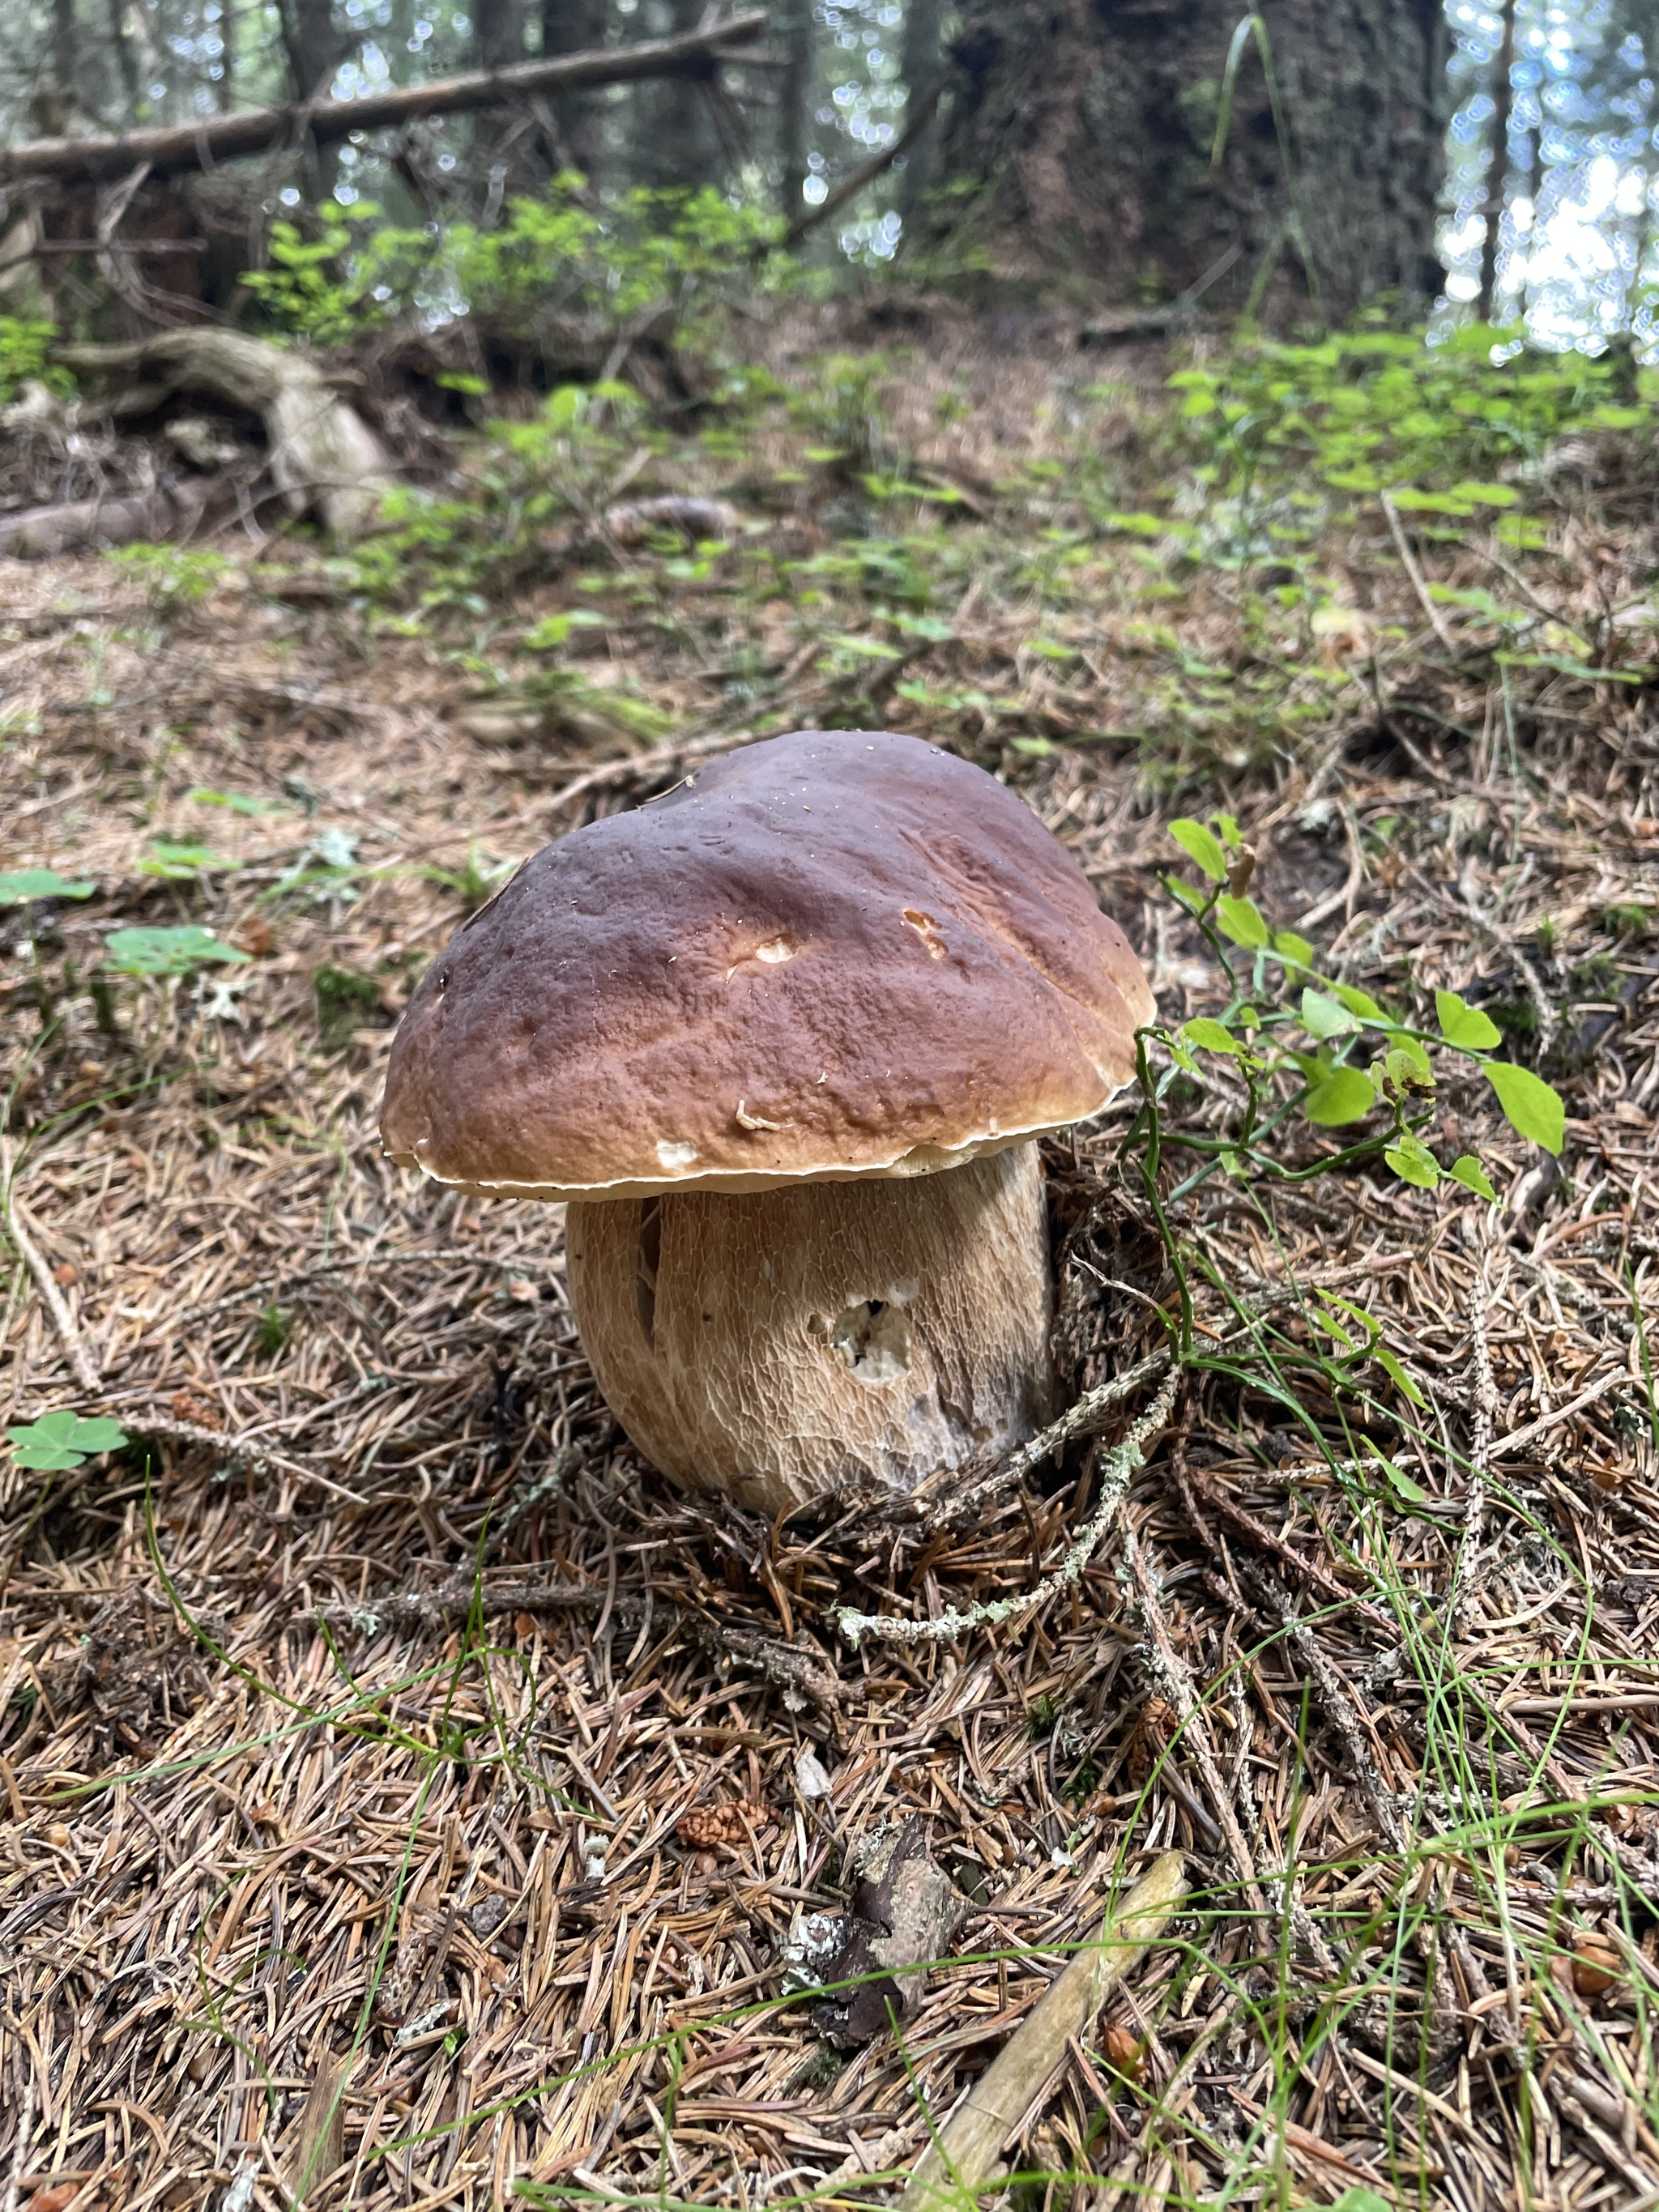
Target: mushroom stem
778,1345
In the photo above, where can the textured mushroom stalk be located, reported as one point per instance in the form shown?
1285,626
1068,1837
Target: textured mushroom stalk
777,1345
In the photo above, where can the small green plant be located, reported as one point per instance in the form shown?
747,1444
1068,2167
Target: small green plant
173,576
166,951
1296,1041
273,1329
56,1442
24,885
342,1000
239,802
474,881
183,864
309,291
25,349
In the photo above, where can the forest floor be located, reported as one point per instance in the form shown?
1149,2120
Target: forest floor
351,1714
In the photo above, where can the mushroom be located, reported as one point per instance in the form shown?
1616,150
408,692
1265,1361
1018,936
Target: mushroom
783,1040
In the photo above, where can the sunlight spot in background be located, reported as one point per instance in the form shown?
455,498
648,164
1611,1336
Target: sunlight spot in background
1577,259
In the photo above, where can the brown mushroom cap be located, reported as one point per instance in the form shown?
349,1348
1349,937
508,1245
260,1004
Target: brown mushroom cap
833,955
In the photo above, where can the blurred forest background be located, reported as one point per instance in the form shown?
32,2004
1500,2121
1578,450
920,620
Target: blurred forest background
1459,159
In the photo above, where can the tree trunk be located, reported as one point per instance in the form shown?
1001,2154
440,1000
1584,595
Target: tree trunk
795,104
315,51
673,143
1084,130
498,32
62,44
920,64
573,27
1503,96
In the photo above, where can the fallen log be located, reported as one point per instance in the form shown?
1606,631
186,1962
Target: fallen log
322,456
200,145
164,514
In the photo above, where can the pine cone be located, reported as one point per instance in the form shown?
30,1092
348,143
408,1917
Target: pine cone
706,1827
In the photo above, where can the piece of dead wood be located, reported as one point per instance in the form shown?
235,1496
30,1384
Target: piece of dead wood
164,514
632,521
965,2152
205,141
904,1914
62,1320
320,2140
322,455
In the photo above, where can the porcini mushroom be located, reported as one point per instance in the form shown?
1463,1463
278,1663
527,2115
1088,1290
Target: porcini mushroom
783,1040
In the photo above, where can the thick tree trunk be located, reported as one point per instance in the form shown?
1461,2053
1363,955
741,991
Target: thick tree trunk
1086,127
673,142
921,67
574,27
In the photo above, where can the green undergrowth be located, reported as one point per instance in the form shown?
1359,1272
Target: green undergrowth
981,614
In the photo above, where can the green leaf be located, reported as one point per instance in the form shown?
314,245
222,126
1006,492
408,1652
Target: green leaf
166,951
1344,1095
1463,1024
239,802
1359,1002
182,863
1295,952
1183,1058
1468,1171
1322,1018
1531,1107
1413,1163
1200,846
1397,1375
26,883
1408,1064
1241,920
62,1440
1486,495
1409,1492
1189,893
1209,1037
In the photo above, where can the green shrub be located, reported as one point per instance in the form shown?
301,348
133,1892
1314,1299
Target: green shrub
24,347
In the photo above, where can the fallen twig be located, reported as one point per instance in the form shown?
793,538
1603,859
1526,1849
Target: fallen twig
57,1306
964,2154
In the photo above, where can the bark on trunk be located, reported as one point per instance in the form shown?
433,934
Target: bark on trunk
1503,94
570,26
673,143
921,66
254,130
1084,127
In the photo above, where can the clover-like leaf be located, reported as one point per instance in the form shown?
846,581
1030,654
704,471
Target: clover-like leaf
62,1440
166,951
22,885
1532,1107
